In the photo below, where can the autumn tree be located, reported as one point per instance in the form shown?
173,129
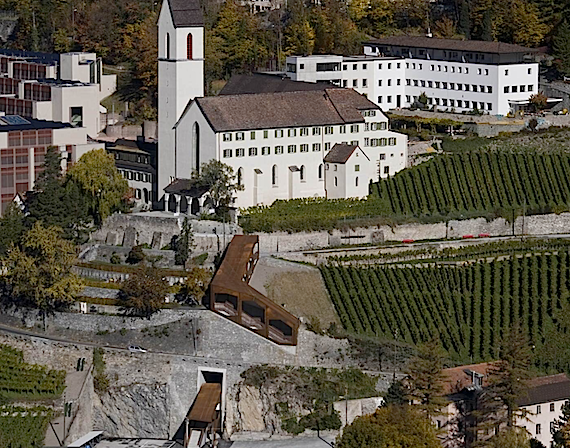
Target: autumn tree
38,270
195,285
392,426
425,378
97,177
144,292
538,101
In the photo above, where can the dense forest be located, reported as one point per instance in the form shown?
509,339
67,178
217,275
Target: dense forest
123,32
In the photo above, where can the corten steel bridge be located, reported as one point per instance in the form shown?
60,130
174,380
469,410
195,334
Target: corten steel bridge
232,297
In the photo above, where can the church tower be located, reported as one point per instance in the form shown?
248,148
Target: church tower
180,75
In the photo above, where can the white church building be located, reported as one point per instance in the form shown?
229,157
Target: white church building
276,142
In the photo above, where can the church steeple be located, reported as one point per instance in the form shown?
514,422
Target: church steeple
180,75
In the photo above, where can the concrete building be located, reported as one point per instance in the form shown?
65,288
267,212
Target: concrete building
491,77
66,87
348,172
24,143
277,142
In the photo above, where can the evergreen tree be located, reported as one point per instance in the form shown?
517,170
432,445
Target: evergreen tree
184,244
11,227
426,379
396,394
561,48
55,203
561,429
508,380
487,30
464,19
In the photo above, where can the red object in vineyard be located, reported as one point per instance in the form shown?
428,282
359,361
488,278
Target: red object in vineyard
484,235
407,241
466,237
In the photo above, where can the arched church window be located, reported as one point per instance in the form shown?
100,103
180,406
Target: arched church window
167,45
240,176
196,145
274,175
189,46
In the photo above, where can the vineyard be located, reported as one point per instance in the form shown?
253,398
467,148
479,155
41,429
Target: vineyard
23,427
480,181
450,186
468,307
22,381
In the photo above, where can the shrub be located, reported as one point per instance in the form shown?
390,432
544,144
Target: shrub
136,255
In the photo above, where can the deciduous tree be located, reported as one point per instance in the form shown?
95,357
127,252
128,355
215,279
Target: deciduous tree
222,183
561,48
392,426
11,227
144,292
105,190
39,270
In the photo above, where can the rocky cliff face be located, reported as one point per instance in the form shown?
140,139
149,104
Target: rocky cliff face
137,410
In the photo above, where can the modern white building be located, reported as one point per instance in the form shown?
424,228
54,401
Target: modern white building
491,77
277,143
66,88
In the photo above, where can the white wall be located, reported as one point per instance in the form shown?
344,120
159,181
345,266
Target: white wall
179,81
65,97
257,170
544,419
385,79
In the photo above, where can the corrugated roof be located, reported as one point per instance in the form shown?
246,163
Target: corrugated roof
340,153
451,44
284,109
546,389
266,83
186,13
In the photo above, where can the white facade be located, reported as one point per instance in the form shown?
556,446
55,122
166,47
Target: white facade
349,179
180,79
540,420
87,68
287,163
397,82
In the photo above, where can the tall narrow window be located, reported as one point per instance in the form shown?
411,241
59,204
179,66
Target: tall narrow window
167,44
356,181
274,175
196,145
189,46
240,177
302,173
320,171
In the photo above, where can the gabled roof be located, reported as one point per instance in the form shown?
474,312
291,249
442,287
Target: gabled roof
268,83
284,109
186,13
547,389
340,153
475,46
460,378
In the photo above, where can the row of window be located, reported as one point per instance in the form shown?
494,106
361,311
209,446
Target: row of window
305,132
450,86
464,104
517,89
135,175
266,150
